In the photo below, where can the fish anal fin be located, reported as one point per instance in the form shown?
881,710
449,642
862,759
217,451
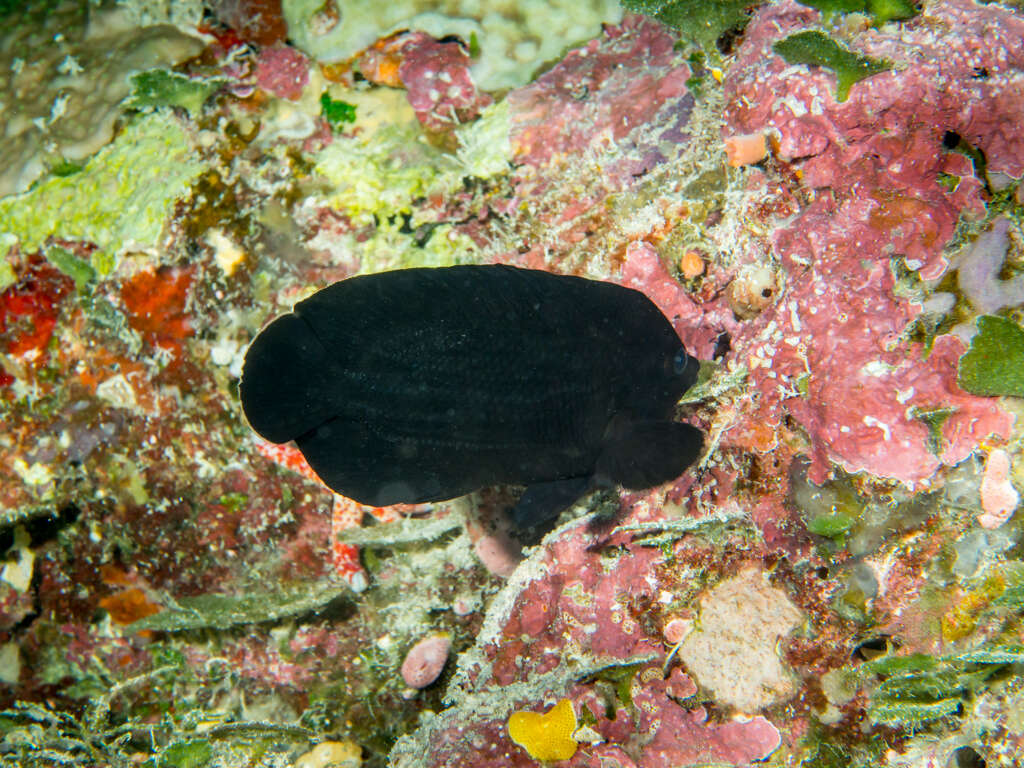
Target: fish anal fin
642,454
541,503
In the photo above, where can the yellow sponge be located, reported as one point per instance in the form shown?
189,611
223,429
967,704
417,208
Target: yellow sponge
546,736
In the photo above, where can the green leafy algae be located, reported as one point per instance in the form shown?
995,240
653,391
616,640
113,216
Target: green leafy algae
77,269
700,22
919,688
891,10
817,49
880,11
65,168
185,754
994,364
223,611
7,275
119,200
832,526
160,88
336,112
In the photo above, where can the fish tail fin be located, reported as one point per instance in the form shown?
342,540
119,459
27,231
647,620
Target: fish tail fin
287,381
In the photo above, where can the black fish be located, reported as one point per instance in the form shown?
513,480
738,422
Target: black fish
425,384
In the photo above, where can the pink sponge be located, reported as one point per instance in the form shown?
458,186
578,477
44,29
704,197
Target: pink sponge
425,660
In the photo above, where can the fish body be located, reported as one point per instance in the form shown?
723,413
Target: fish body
424,384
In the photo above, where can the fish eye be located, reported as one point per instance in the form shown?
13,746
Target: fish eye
681,361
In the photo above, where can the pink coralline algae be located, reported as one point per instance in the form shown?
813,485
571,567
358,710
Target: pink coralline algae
283,71
669,733
644,270
425,661
873,165
684,736
600,93
877,158
864,401
435,74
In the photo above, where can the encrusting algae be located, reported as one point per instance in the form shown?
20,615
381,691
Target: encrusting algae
545,736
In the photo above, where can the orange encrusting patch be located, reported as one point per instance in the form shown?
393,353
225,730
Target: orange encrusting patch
691,265
745,149
545,736
156,305
129,605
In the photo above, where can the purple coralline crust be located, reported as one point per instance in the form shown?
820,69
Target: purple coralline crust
670,732
957,63
864,382
283,71
874,164
599,93
578,595
880,152
438,82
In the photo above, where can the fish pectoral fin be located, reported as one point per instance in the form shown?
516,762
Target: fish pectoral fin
642,454
541,503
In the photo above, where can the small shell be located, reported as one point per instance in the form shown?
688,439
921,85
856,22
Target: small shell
753,289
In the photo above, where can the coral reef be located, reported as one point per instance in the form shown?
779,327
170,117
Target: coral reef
512,41
63,74
840,579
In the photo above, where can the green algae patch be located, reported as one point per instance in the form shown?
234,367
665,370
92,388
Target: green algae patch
880,11
77,269
336,112
118,201
185,754
819,50
919,688
223,611
381,173
994,364
699,21
7,275
832,526
160,88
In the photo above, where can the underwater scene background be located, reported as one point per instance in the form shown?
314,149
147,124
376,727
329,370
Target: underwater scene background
823,198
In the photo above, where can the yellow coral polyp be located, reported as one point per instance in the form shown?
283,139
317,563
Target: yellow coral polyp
545,736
